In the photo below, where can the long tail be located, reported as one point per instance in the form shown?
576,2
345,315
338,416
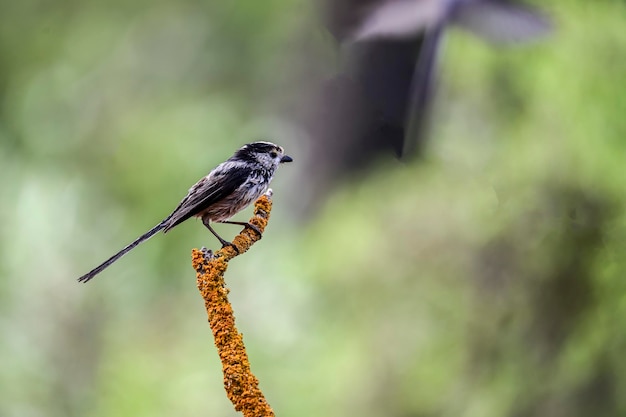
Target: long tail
123,252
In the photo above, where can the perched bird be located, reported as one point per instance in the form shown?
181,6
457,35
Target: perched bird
225,191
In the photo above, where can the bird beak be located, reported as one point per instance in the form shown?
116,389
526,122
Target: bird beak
285,158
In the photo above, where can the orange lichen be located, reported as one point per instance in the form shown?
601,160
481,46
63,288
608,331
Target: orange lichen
242,387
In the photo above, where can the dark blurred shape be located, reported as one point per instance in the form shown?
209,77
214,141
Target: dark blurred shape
379,103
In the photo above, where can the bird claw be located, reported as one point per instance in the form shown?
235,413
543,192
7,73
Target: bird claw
232,245
256,229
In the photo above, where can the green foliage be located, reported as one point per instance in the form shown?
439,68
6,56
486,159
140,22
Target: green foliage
486,280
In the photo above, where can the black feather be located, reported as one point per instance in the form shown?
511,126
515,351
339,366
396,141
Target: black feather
248,153
206,192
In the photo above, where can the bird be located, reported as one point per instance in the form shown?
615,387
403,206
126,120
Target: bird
379,101
226,190
501,22
373,101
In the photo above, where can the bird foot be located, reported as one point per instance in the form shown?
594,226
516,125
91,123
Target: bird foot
256,229
232,245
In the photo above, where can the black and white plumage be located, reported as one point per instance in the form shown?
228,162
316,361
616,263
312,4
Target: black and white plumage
225,191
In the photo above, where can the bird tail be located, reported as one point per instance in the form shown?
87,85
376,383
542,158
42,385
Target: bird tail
123,252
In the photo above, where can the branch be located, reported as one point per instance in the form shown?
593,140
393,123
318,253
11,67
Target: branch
242,387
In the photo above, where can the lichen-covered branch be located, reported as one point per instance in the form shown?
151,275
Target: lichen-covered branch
242,387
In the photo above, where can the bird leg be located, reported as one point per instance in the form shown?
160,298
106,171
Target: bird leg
224,242
246,224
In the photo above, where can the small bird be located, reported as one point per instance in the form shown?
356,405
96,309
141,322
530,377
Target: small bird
225,191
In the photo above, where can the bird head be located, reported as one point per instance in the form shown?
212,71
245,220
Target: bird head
267,154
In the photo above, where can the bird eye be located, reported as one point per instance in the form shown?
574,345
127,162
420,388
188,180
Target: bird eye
273,154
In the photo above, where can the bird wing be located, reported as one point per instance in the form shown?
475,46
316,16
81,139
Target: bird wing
400,19
211,189
502,22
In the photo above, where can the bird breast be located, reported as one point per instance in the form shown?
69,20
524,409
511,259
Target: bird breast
241,198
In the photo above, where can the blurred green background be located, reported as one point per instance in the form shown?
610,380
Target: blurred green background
485,280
